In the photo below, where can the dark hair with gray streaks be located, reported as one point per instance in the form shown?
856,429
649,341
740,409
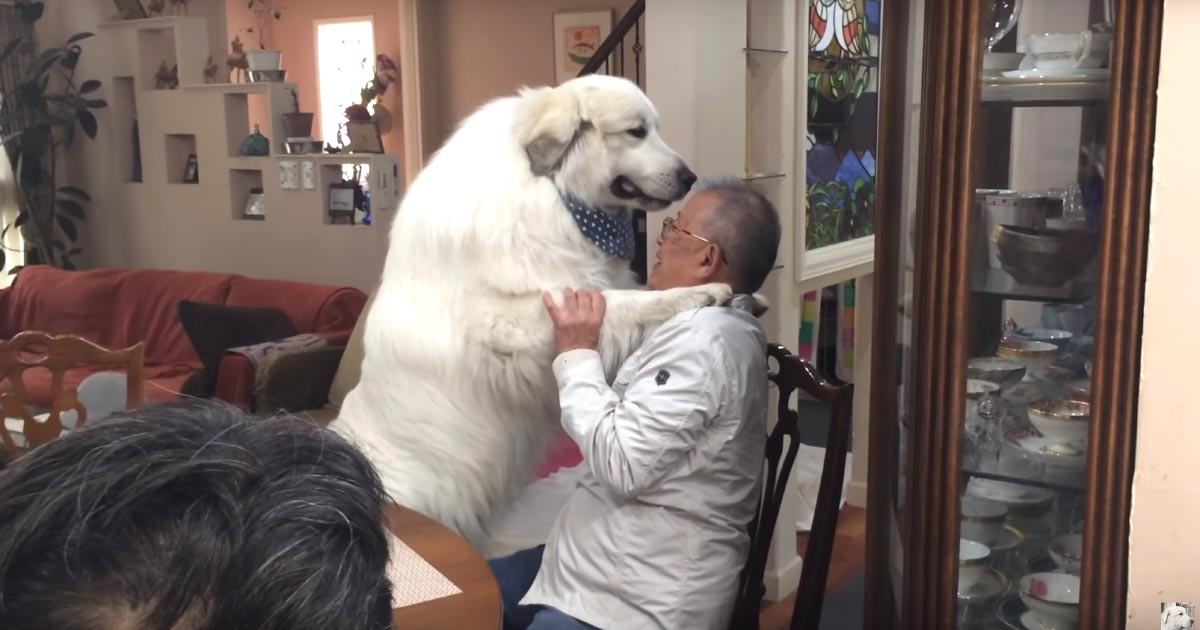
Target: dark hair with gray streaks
193,516
746,226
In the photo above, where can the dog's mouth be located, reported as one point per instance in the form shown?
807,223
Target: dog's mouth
623,188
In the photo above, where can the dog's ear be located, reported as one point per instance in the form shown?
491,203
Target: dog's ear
548,121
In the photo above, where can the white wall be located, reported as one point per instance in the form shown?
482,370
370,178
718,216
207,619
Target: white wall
1164,550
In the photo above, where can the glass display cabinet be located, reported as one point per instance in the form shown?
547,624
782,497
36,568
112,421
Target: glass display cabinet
1013,198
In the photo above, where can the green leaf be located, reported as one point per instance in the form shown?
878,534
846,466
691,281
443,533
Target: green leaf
96,103
74,192
15,270
3,259
48,59
79,36
22,219
88,123
30,11
71,58
30,172
71,207
66,226
11,48
91,85
30,96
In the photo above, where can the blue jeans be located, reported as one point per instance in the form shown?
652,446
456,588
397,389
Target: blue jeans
515,574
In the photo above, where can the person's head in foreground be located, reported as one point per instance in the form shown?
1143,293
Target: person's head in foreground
193,517
726,232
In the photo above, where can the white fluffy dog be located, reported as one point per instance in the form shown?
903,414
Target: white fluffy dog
1176,617
457,400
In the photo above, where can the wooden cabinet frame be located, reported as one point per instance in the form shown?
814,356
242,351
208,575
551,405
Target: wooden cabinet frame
950,111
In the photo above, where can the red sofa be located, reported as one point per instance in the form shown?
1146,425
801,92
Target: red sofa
118,308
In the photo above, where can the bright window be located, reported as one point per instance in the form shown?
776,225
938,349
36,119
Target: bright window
345,63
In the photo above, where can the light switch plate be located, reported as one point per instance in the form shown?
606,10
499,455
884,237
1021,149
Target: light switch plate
309,175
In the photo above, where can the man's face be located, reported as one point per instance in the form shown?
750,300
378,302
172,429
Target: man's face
682,255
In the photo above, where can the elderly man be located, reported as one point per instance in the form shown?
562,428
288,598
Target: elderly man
655,536
191,517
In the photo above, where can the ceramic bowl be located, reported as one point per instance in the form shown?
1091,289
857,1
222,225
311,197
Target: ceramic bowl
1060,338
1034,355
1079,390
972,562
268,76
982,520
999,371
976,388
1063,422
1053,598
1002,60
1045,257
1067,552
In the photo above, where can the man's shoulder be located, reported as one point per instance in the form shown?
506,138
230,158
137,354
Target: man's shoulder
709,324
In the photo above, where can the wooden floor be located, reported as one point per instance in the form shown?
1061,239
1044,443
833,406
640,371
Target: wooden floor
849,556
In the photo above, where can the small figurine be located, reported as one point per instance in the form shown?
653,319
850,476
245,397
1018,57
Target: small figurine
237,61
178,5
156,7
210,71
166,79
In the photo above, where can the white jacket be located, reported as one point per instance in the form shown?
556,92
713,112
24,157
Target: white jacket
655,536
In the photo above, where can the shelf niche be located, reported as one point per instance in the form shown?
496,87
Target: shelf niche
242,112
243,181
124,117
179,148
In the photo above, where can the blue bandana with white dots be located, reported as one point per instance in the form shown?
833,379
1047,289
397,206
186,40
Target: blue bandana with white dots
613,235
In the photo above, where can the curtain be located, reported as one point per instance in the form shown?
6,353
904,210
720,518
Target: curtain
11,242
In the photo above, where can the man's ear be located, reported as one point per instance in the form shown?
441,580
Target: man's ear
548,121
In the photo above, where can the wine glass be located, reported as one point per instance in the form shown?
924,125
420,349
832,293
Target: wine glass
999,17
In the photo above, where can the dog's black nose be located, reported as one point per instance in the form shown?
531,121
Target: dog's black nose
686,177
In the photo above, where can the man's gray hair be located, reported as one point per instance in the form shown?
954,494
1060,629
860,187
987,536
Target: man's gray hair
746,226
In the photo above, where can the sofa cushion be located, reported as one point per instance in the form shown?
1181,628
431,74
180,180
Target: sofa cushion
350,368
115,308
214,328
328,311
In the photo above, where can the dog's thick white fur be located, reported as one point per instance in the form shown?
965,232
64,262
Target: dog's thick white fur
1175,617
457,399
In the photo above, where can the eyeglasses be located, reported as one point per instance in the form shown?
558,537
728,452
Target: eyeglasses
669,225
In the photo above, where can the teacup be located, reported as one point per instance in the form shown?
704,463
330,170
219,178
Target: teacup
1069,50
1063,422
972,562
1053,598
982,520
1034,355
1067,552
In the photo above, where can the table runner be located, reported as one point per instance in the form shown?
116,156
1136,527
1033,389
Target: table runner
414,580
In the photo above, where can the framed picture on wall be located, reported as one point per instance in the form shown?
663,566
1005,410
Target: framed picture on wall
364,137
576,38
256,206
191,171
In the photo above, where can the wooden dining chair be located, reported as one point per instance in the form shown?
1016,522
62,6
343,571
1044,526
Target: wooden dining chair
791,375
29,350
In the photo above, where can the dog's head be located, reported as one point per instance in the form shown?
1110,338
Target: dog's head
597,137
1175,617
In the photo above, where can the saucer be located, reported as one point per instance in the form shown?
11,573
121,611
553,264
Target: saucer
1024,393
1043,449
990,584
1031,622
1059,74
1008,493
1010,538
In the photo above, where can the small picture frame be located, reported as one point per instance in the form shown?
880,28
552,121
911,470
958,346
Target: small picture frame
341,201
191,172
364,137
577,36
256,206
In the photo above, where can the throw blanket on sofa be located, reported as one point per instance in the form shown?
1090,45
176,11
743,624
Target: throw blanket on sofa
258,352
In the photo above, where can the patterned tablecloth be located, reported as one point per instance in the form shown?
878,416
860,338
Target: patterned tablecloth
413,579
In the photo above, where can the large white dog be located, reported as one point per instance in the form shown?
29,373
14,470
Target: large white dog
457,399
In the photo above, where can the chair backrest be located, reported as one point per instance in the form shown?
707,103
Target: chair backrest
30,350
790,374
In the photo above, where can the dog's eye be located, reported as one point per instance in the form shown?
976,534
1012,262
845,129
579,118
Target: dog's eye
637,132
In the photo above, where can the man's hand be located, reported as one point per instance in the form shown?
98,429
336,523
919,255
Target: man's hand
577,322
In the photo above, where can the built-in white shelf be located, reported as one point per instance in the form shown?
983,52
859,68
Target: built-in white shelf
240,88
159,23
765,51
750,177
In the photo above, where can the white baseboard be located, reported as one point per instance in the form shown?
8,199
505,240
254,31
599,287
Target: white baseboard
783,582
856,494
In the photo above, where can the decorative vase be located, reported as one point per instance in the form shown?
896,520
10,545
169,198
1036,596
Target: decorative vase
297,125
264,59
999,17
256,144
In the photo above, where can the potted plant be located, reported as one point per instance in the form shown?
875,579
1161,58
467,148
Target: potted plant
264,12
297,124
38,123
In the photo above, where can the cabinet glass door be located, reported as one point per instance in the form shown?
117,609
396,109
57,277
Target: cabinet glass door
1039,161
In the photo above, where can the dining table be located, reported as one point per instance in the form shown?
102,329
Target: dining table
477,606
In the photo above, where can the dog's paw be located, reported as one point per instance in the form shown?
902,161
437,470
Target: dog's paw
712,294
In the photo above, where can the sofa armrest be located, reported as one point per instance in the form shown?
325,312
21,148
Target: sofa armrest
296,381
